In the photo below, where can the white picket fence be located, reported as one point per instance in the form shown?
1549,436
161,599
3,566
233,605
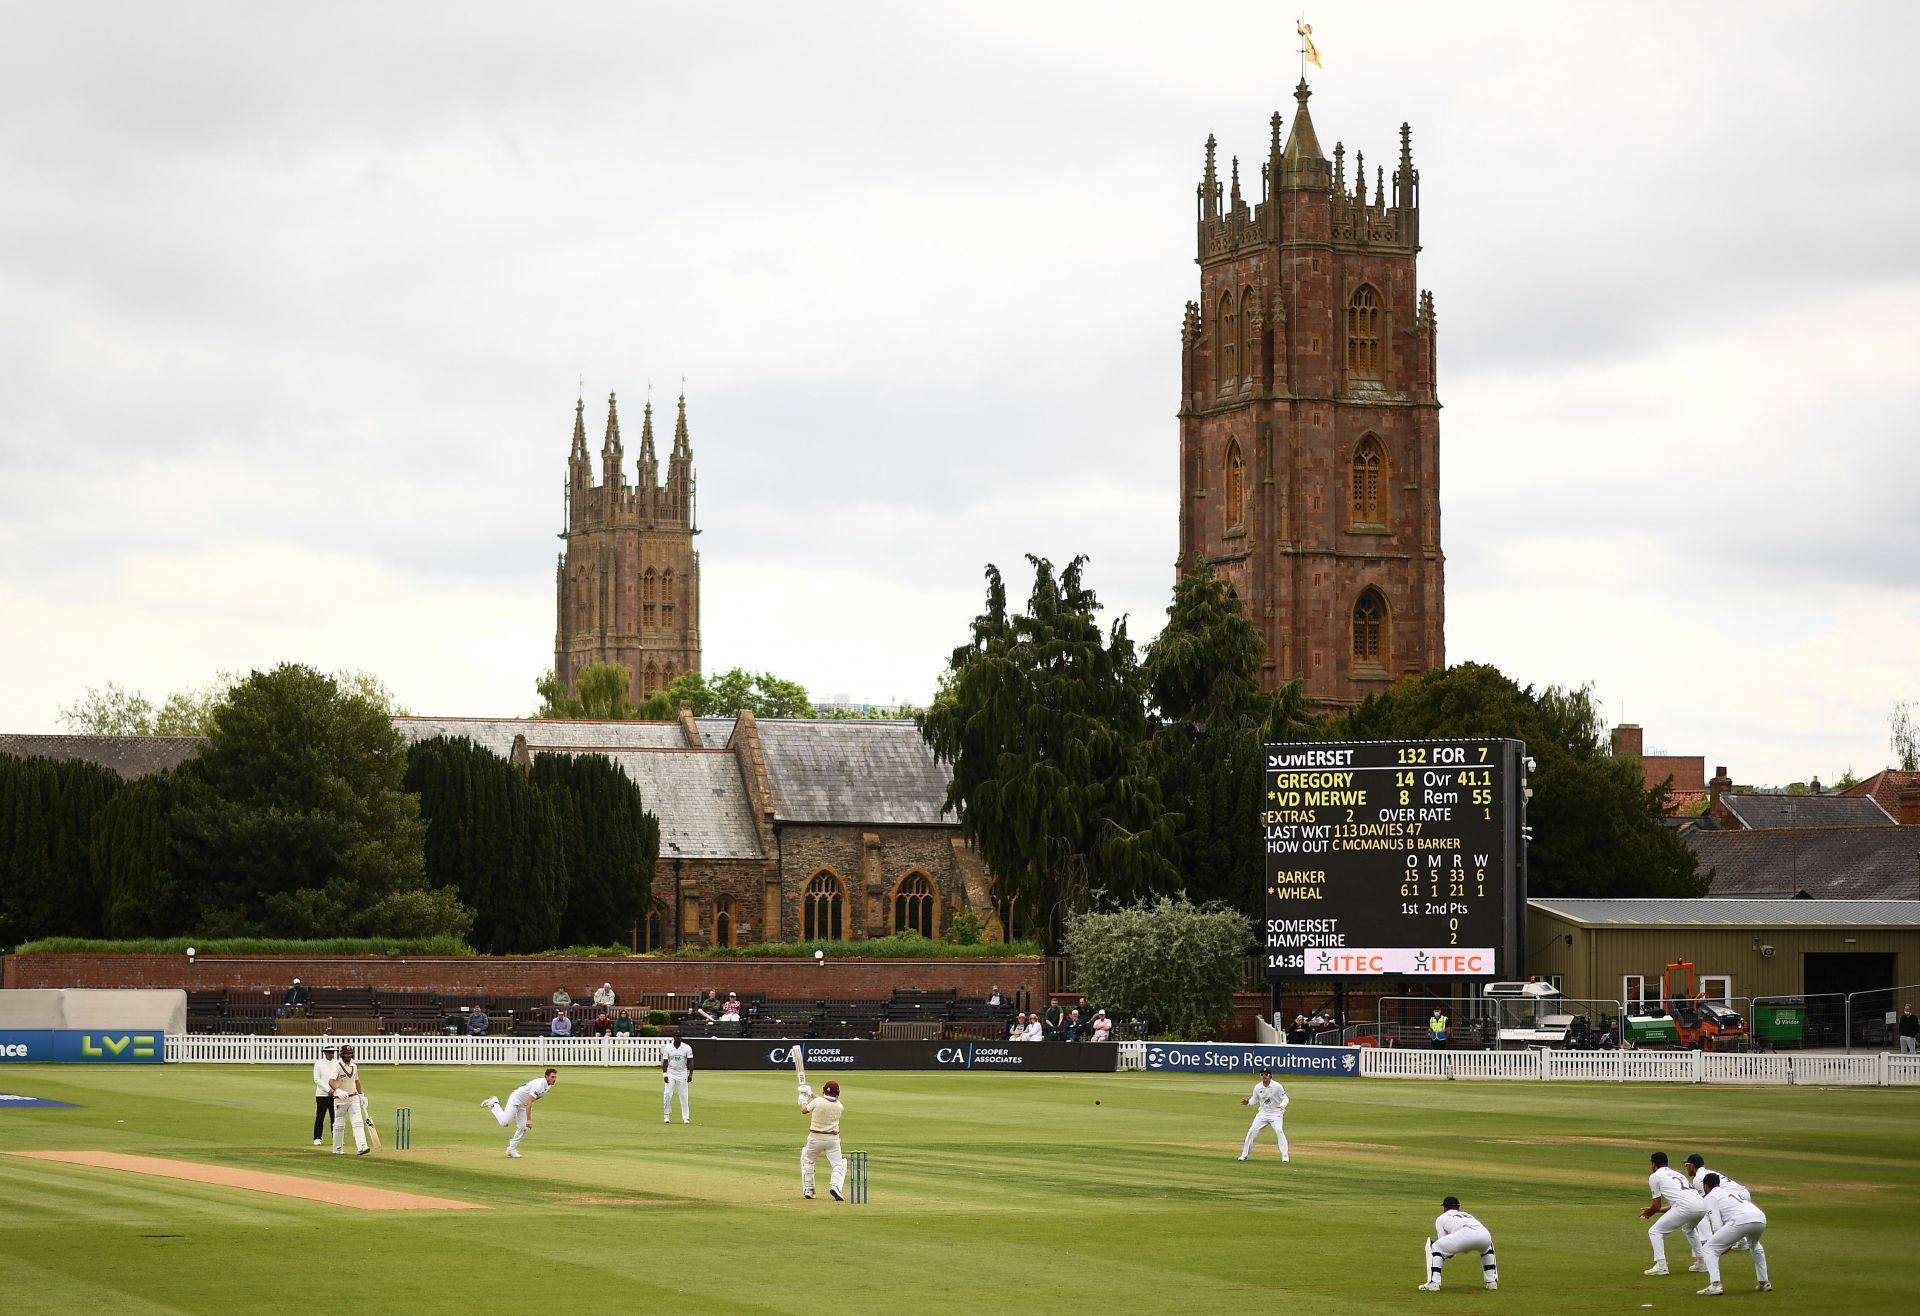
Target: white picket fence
1801,1068
424,1049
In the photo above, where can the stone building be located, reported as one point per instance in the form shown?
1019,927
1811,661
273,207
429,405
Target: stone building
1309,425
775,830
627,587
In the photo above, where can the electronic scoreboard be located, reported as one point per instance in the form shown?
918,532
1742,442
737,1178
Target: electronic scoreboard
1394,858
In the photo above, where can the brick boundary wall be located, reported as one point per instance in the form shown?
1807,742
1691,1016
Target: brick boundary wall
838,979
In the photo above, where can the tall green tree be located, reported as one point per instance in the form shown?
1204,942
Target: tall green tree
611,845
130,851
295,821
1203,675
47,808
117,712
1044,724
601,691
1170,959
1597,829
494,837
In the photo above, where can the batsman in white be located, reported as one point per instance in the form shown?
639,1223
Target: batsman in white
519,1108
349,1103
1739,1220
676,1069
1454,1232
1272,1101
1679,1208
823,1135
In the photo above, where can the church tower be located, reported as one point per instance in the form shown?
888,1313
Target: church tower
627,588
1309,425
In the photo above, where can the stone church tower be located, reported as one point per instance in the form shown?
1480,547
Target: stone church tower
1309,426
627,589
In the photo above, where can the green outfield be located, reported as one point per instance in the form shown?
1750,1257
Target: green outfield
988,1191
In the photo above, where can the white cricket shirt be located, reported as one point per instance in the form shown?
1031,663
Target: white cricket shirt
678,1056
1448,1221
1270,1097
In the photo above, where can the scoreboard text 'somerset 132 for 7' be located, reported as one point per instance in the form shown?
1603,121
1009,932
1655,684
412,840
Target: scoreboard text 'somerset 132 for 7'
1393,858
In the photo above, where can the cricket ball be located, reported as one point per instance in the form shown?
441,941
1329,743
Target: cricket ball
1096,1101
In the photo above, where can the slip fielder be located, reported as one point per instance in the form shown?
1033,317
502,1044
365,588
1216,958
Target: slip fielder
1679,1208
1272,1101
676,1069
519,1108
1739,1221
1729,1188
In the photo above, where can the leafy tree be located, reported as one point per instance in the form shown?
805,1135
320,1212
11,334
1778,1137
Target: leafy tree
1905,735
295,820
1203,674
117,712
1174,960
109,712
494,837
130,851
601,691
1045,728
1597,829
47,808
611,845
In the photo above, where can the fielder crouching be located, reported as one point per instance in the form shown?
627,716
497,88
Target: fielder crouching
823,1136
1738,1221
1454,1232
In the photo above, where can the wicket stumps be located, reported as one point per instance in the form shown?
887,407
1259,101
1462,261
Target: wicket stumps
857,1178
403,1129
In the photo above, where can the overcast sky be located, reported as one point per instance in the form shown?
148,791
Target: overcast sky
296,303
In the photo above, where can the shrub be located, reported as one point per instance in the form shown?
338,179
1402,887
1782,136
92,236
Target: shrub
963,929
658,1018
1170,958
249,946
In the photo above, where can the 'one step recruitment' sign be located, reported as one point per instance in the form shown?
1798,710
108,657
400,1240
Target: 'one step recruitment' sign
1394,858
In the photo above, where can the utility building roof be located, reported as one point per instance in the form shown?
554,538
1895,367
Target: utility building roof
1709,912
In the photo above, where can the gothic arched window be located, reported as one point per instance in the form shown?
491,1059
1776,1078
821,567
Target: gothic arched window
666,597
653,931
723,921
1369,483
1370,628
820,906
648,588
1364,358
1226,339
1234,487
913,902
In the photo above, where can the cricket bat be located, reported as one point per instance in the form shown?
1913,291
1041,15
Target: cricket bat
799,1063
373,1134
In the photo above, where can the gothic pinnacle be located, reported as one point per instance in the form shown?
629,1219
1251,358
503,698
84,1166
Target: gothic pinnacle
1340,168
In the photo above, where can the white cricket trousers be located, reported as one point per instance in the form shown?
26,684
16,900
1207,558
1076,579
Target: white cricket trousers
1463,1240
675,1082
1277,1118
1676,1219
1730,1236
349,1110
817,1143
515,1115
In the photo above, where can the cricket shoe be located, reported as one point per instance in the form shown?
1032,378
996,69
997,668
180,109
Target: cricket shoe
490,1103
337,1151
1286,1160
1697,1267
665,1120
1660,1269
317,1144
808,1195
363,1151
511,1152
1763,1287
1712,1291
1429,1287
1492,1284
836,1195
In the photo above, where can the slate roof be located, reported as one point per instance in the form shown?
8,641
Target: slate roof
1847,863
130,756
715,732
697,795
854,770
1761,811
497,733
1742,913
